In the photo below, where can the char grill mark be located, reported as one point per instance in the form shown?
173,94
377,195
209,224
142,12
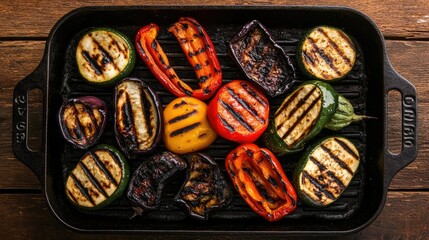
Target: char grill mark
82,189
324,56
330,175
146,110
337,159
236,115
93,179
106,56
300,112
347,148
92,62
184,129
335,46
253,94
129,130
245,105
226,124
286,134
182,117
321,189
103,167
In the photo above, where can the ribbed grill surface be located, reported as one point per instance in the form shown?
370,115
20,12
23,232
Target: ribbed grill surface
353,88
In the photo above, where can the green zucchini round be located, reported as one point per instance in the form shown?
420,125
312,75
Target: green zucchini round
301,116
104,56
99,178
325,170
326,53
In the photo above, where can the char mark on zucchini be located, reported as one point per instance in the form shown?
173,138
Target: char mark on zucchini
298,114
103,168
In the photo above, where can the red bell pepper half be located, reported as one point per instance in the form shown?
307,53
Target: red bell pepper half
239,112
259,178
198,49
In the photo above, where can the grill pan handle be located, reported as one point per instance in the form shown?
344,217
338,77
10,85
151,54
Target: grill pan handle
395,162
32,158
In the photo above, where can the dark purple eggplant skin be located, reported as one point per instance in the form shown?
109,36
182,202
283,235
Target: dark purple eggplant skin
204,182
263,62
125,142
148,180
90,102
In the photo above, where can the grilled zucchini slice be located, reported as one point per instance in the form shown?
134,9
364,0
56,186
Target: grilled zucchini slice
300,117
325,170
326,53
104,56
98,179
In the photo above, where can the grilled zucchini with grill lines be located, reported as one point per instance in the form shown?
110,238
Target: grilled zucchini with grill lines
138,117
326,53
300,117
325,170
99,178
104,56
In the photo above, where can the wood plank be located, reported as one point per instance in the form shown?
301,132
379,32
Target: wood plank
403,217
34,18
20,59
408,57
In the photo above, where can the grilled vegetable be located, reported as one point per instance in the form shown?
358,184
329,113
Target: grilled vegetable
325,170
344,115
239,112
199,51
186,126
261,59
99,178
138,117
104,56
82,120
326,53
149,179
300,117
259,178
205,188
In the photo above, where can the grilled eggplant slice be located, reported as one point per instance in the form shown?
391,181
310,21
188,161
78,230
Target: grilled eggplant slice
82,120
104,56
205,189
325,170
149,179
300,117
138,117
99,178
326,53
261,59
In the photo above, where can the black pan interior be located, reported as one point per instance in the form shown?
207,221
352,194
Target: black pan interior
363,87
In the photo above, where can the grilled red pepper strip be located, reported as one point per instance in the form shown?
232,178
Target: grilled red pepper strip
201,54
154,57
259,178
199,51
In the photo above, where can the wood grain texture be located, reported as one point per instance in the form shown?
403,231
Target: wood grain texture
403,213
395,18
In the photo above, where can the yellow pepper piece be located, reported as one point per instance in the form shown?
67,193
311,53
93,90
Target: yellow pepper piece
186,126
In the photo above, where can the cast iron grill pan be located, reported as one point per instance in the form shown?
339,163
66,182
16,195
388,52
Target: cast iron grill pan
366,87
353,88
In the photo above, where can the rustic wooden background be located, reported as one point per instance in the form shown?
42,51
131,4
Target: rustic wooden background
24,27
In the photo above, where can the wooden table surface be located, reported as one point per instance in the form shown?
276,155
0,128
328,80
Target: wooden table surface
24,27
